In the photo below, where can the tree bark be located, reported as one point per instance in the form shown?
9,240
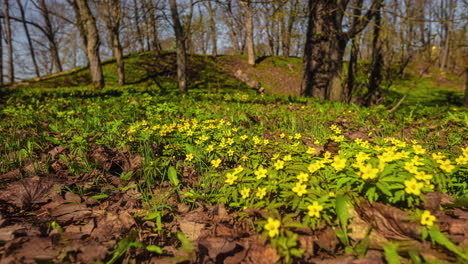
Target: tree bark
92,48
139,35
180,47
247,4
377,61
28,38
155,43
11,69
1,53
214,39
353,57
54,52
112,16
80,25
325,47
465,101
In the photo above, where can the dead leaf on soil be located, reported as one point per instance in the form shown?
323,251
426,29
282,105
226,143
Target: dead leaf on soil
327,240
8,233
345,259
433,200
389,221
217,249
112,226
28,192
91,253
69,213
34,248
14,174
256,251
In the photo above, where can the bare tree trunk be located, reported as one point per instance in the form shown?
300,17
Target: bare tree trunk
465,101
1,53
325,46
139,36
353,58
28,38
112,16
80,25
247,4
214,40
287,35
377,61
448,36
11,69
50,35
144,16
180,47
155,45
93,44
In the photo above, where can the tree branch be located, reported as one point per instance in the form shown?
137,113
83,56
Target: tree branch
361,23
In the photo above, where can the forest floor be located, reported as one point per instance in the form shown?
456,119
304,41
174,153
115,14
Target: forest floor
141,174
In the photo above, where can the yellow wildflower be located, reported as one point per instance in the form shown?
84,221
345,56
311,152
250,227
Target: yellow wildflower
311,150
410,167
313,167
287,158
245,193
210,148
361,157
230,152
302,177
438,156
260,173
272,227
215,163
189,157
314,209
421,175
339,138
244,137
446,166
239,169
300,189
413,186
231,178
418,149
338,163
297,136
279,164
462,160
282,135
261,192
368,172
427,218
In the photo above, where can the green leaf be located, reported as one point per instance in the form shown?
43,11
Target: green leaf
100,196
152,216
172,175
442,240
391,253
384,189
154,249
341,207
128,187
